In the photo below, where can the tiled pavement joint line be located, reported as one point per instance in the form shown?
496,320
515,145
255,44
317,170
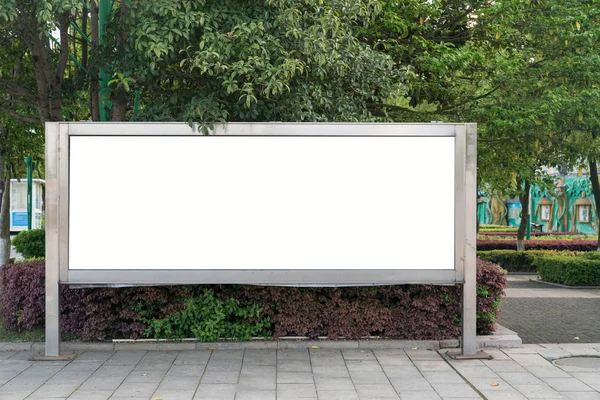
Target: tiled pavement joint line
167,373
81,384
240,375
90,375
349,374
386,375
202,375
44,382
126,376
463,377
312,372
14,377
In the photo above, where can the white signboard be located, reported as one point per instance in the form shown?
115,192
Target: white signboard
261,202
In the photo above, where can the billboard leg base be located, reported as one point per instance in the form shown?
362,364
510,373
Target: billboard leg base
479,355
62,357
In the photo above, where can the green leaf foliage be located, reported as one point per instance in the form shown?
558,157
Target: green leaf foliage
209,318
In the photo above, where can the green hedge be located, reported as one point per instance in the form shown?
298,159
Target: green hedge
581,270
520,261
497,228
31,244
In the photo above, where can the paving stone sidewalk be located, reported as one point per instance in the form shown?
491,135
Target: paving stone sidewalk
542,313
325,374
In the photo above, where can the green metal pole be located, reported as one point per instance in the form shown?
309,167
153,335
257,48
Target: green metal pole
30,165
104,9
528,236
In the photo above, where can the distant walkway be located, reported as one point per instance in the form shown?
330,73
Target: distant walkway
542,313
268,374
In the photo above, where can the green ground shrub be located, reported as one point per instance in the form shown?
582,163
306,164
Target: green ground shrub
31,244
580,270
520,261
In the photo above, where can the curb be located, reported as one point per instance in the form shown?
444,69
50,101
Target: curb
560,285
502,338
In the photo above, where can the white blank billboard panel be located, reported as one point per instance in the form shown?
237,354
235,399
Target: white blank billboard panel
261,202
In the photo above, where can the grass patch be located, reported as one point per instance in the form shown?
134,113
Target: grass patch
31,335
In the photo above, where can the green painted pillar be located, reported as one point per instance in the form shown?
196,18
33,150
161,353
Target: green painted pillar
104,9
30,165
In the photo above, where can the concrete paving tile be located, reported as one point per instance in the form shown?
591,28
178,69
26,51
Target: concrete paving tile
135,389
14,394
224,365
465,363
443,377
128,397
454,389
520,378
158,359
358,354
394,371
93,356
337,395
256,383
589,378
498,355
491,384
145,376
410,384
503,395
102,383
329,361
258,370
173,394
91,395
294,365
581,395
334,372
53,391
548,372
296,391
477,372
107,371
525,349
256,395
363,366
538,391
292,354
216,390
369,378
172,382
6,354
196,357
419,395
329,383
126,357
220,377
581,350
295,377
432,365
365,391
389,360
260,357
568,385
504,366
530,360
423,355
187,370
227,355
389,352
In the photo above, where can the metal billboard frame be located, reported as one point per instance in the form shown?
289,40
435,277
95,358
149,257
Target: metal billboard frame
57,218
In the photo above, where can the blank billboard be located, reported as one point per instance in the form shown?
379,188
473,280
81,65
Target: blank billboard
261,202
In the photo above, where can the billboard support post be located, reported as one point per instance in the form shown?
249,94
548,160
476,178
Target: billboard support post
68,147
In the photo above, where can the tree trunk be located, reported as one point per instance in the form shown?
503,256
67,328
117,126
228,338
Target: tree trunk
524,199
595,188
4,215
94,82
